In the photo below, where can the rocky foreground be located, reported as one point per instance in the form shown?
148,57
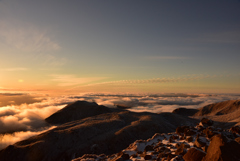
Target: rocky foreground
203,142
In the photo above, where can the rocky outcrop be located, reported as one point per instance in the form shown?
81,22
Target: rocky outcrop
222,148
176,146
238,140
182,149
200,141
206,122
185,131
235,129
194,154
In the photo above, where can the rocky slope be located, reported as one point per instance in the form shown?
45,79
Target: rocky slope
187,143
106,133
227,113
221,108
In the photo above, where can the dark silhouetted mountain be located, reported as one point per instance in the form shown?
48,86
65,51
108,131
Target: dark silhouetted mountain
122,106
76,111
185,111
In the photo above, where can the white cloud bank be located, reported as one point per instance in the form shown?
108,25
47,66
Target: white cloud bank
160,102
9,139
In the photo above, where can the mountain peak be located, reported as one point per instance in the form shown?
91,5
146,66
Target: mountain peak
76,111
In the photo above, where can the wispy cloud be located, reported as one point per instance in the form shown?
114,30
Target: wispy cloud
70,80
53,61
156,80
14,69
167,58
29,39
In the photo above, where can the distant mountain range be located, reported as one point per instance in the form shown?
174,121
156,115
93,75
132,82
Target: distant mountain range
87,128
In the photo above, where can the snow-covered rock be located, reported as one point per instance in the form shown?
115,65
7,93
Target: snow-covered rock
177,146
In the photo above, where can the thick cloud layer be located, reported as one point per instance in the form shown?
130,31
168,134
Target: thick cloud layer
160,102
18,122
17,99
9,139
25,117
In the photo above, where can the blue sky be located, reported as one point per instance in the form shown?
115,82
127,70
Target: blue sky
125,46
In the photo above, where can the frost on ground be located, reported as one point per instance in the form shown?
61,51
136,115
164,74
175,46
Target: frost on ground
187,143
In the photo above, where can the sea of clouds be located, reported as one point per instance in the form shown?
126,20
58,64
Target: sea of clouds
22,115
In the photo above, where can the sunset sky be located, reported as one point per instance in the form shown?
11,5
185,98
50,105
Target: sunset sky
75,46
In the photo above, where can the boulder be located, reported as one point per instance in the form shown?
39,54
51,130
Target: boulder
209,133
189,132
180,130
235,129
205,148
121,157
221,148
194,154
170,140
189,138
237,140
170,156
149,148
174,137
86,157
125,156
182,149
163,154
206,122
147,157
200,141
162,149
